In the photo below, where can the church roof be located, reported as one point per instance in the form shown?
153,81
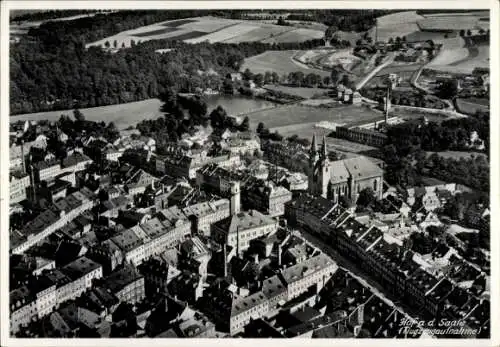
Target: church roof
358,168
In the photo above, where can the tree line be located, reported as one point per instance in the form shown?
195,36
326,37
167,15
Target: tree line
47,78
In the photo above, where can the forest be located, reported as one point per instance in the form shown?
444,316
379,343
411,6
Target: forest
43,78
407,161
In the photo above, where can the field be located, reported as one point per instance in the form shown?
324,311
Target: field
452,22
297,114
296,35
212,29
225,33
471,105
462,60
305,93
395,24
259,34
280,62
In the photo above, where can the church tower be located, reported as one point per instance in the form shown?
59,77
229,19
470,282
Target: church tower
323,170
313,161
235,203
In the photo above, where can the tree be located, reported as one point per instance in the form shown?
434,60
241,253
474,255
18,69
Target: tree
107,44
403,39
366,197
123,44
469,33
334,76
447,89
260,127
247,75
268,77
326,80
78,115
391,40
481,31
245,125
258,79
345,80
462,33
115,44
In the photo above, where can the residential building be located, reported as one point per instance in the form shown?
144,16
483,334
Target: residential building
315,271
204,214
126,284
46,170
239,229
19,182
62,212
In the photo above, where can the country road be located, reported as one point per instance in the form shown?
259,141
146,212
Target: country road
387,62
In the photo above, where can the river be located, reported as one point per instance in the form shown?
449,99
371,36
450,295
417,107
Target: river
124,115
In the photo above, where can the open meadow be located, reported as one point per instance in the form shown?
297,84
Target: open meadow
395,24
281,62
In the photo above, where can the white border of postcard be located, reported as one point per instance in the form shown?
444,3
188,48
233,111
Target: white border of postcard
493,5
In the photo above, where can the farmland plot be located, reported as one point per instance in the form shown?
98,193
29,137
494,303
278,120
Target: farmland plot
209,24
297,35
280,62
396,24
259,34
225,34
451,22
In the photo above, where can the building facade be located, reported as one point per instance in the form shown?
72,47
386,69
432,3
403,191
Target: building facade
342,177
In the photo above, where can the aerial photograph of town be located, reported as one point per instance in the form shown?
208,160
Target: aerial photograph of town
248,173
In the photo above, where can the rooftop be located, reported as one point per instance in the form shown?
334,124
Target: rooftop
244,221
306,268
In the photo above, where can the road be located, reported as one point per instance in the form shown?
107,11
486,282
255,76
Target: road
358,273
387,62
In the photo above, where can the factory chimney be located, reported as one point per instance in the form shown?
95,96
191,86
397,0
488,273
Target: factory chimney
225,259
22,157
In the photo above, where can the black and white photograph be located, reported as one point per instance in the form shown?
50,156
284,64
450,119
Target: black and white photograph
249,172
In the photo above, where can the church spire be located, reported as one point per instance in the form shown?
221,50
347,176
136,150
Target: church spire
314,148
324,152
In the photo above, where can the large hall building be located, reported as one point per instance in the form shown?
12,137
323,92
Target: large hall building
348,177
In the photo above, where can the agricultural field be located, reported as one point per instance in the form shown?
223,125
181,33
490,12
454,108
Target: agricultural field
472,105
452,21
296,35
259,34
226,33
305,93
395,24
212,29
461,59
281,62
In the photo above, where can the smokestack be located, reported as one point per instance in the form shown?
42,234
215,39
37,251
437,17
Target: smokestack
225,260
22,156
237,241
279,255
33,183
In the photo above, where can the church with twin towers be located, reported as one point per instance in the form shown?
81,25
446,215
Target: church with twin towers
347,177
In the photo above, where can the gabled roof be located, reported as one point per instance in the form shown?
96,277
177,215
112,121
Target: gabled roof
244,221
